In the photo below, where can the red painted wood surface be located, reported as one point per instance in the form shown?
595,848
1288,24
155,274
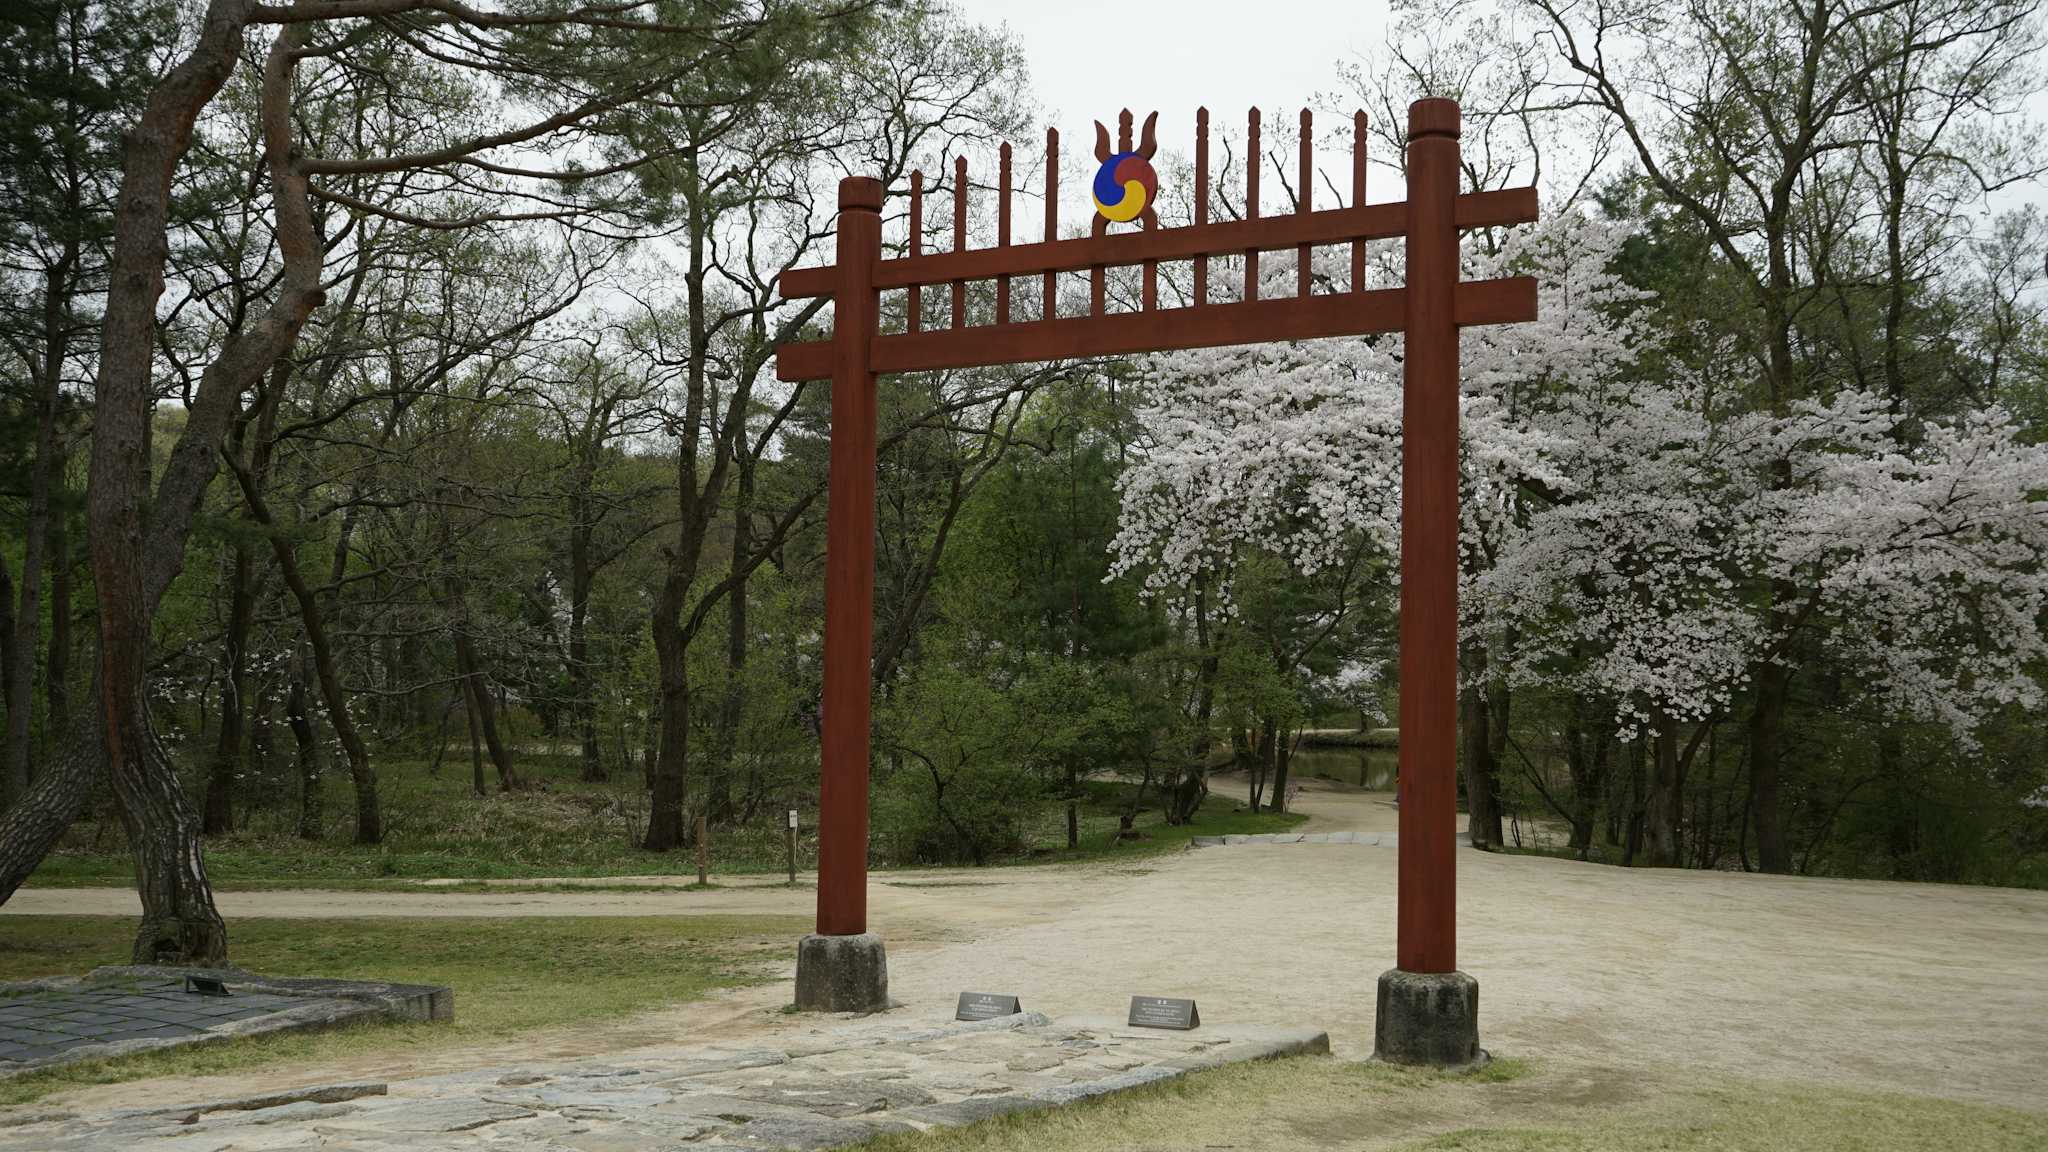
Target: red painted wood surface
849,569
1351,314
1430,309
1427,916
1220,238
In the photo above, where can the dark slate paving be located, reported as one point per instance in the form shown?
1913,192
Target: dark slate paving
38,1025
35,1026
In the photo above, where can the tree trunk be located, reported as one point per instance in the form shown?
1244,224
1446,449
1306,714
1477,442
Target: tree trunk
312,800
582,693
665,816
476,741
137,564
1588,767
226,766
1766,724
1902,805
1480,748
1073,807
1192,785
11,784
479,693
369,817
259,731
1283,755
28,619
1662,798
179,922
33,823
1636,770
1262,763
57,665
672,714
718,794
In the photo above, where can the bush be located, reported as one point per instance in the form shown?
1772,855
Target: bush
960,777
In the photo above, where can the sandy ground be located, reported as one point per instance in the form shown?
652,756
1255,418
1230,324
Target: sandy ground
1901,987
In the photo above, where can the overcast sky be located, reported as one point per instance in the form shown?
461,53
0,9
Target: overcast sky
1090,58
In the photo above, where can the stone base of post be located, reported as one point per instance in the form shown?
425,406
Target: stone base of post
1428,1018
842,974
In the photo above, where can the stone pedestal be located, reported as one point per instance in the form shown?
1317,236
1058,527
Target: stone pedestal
842,974
1429,1018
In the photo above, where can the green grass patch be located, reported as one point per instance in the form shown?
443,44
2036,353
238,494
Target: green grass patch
1100,811
510,975
562,826
435,826
1319,1102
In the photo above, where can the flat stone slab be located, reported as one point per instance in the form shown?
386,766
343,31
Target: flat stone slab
118,1010
842,1088
1371,839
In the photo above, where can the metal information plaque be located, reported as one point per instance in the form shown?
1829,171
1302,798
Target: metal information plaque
985,1006
1164,1012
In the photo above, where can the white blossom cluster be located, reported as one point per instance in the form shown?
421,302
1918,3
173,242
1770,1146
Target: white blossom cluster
1648,543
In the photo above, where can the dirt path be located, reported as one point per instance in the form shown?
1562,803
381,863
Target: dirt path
1904,987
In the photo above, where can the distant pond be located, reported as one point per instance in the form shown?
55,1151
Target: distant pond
1368,768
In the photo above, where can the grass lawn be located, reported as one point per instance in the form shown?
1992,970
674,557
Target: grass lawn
509,975
1099,818
561,826
1323,1103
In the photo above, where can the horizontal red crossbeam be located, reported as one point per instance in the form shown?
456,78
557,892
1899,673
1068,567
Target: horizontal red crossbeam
1225,238
1504,301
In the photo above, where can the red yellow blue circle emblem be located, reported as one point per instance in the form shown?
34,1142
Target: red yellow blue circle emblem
1124,186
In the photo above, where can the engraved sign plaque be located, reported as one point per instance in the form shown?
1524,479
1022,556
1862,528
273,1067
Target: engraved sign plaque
1164,1012
985,1006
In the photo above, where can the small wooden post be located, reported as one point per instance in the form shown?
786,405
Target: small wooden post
703,853
1427,918
790,829
849,568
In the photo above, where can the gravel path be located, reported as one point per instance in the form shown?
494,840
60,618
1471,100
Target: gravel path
1905,987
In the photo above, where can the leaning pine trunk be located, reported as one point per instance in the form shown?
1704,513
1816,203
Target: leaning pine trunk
179,922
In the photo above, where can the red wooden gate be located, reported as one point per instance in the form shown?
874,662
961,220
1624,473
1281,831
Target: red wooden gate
1429,310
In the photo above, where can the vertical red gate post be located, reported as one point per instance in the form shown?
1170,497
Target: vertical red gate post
1427,1009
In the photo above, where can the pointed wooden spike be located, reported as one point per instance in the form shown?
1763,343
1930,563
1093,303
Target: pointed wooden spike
1253,161
915,318
959,237
1305,180
1049,307
1201,200
1358,195
1003,231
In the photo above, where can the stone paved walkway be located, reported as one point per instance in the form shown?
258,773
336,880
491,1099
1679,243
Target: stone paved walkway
843,1087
